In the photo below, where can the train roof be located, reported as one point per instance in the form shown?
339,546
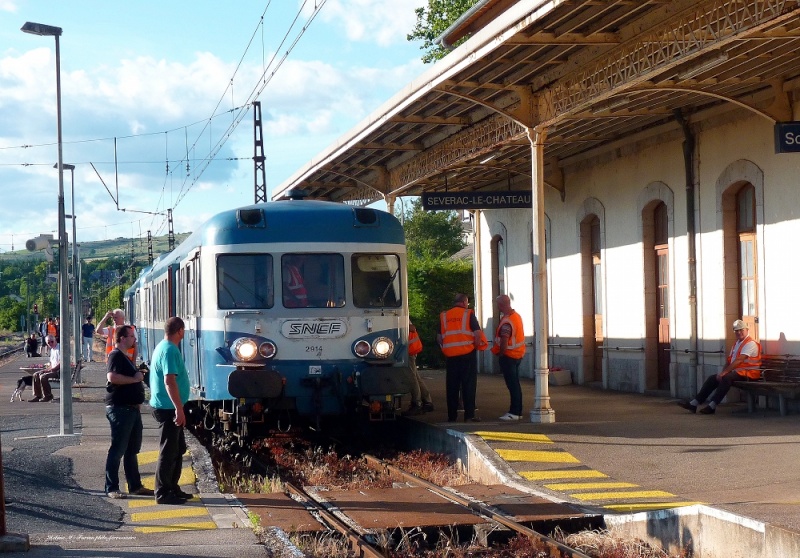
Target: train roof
290,221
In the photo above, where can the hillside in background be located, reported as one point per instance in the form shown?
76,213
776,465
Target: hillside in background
104,249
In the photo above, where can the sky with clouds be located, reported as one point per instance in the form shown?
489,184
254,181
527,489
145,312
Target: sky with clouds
153,96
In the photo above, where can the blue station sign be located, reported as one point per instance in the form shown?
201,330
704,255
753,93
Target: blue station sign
787,137
477,200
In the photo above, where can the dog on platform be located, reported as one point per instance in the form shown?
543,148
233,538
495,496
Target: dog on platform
22,383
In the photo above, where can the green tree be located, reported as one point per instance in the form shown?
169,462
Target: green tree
433,278
432,234
434,20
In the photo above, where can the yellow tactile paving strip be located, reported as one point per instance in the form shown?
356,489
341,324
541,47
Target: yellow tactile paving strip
603,493
148,517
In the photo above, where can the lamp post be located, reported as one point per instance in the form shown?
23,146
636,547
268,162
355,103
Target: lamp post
66,370
76,286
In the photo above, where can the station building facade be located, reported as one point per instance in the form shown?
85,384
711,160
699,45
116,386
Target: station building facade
619,273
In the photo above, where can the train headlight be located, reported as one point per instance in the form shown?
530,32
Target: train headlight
362,349
244,349
267,349
382,347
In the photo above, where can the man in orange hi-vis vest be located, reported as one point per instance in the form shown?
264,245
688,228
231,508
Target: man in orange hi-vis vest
460,335
295,294
118,316
509,345
744,362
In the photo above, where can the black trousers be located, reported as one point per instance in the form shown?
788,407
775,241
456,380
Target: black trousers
461,377
171,447
721,386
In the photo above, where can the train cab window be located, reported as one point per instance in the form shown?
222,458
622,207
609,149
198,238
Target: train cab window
244,281
376,280
312,280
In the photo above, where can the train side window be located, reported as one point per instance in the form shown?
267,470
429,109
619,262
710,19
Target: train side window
376,280
312,280
244,281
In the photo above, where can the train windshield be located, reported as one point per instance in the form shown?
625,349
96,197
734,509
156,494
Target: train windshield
376,280
244,281
312,280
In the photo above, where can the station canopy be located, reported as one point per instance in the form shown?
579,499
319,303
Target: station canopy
586,77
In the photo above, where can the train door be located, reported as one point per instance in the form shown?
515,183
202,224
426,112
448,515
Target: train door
190,278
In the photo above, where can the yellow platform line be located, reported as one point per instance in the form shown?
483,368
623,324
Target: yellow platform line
199,526
589,485
514,437
563,474
146,457
187,477
537,456
652,506
618,495
169,514
136,503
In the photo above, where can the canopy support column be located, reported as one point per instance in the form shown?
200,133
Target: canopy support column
541,412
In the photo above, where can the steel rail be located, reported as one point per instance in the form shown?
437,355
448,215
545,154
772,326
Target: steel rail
362,547
562,550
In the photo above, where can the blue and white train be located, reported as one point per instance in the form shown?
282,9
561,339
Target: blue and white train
293,307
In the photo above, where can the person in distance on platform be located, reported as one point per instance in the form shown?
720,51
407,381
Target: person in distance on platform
169,392
744,362
124,396
421,401
31,346
509,345
118,316
87,333
459,336
41,380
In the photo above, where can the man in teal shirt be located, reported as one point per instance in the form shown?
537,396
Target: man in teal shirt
169,391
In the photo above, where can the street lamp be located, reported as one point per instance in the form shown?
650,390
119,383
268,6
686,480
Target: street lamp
66,370
76,287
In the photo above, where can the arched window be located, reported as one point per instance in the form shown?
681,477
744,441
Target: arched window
746,233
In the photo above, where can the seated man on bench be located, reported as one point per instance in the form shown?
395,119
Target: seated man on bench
41,380
744,362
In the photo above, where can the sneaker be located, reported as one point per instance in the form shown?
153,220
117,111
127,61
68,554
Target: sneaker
428,407
708,410
473,419
117,495
510,416
34,400
688,406
142,491
47,398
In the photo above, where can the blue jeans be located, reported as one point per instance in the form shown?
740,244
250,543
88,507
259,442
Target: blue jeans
510,369
126,441
87,348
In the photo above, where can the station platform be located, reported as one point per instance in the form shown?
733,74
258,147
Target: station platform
54,485
611,452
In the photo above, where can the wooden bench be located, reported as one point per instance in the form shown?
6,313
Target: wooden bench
780,375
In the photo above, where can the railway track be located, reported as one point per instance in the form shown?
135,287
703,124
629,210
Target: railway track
416,516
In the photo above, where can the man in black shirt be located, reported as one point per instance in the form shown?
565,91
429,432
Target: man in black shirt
124,395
